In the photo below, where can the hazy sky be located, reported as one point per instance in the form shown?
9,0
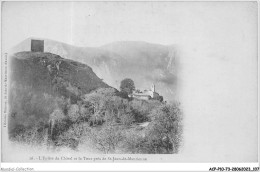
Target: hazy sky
98,23
218,53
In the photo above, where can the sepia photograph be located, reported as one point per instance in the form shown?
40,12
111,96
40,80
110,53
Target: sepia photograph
137,81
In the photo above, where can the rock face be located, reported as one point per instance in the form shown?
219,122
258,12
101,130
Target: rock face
143,62
37,79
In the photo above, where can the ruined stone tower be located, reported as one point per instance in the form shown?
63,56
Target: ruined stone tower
37,45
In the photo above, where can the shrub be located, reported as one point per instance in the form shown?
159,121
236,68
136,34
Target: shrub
34,136
123,95
73,136
84,111
73,113
127,85
134,142
127,119
141,109
107,138
164,132
159,98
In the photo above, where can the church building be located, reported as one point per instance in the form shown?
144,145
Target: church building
146,94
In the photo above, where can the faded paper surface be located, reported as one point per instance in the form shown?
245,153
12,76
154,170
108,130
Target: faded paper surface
216,51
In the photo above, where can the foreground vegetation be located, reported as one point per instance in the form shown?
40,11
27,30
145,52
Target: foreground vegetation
107,123
57,103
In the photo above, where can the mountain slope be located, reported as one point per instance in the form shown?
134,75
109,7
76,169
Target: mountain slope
145,63
45,70
39,80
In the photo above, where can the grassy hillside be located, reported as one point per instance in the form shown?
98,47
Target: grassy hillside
32,69
38,85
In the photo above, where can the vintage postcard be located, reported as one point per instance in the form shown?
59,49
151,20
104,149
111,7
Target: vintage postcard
129,82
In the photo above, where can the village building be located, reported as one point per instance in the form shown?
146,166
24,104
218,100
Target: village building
146,94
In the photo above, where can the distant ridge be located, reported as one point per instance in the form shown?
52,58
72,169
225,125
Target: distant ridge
145,63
